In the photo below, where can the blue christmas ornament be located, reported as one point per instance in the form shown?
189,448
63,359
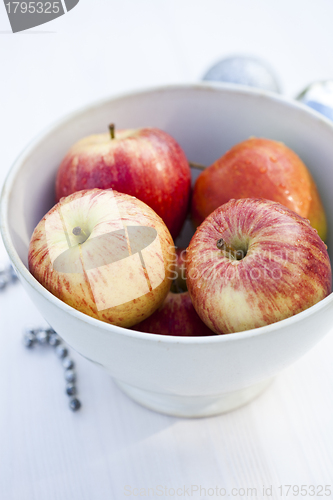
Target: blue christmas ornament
245,71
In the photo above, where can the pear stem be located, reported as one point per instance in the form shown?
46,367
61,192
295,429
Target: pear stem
112,129
198,166
236,254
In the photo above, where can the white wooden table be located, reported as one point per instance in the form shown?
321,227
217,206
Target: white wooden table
113,446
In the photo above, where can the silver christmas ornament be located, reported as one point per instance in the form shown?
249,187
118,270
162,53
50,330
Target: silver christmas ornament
245,71
319,96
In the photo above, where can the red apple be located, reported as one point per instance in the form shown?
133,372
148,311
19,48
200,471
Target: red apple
106,254
146,163
254,262
176,316
259,168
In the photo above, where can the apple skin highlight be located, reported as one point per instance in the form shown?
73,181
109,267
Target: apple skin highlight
285,268
146,163
259,168
83,278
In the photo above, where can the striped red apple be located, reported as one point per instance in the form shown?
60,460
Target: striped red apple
107,254
253,262
146,163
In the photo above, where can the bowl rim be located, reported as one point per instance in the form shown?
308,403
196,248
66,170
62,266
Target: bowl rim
108,327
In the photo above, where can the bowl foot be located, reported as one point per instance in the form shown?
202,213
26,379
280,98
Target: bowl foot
193,406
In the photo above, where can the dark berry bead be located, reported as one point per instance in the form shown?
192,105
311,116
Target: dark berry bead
70,375
68,363
41,336
12,274
30,330
54,340
61,351
70,389
29,339
74,404
3,282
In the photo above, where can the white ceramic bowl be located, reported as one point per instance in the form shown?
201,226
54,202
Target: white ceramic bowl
178,376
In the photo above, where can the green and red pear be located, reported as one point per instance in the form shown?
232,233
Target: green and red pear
259,168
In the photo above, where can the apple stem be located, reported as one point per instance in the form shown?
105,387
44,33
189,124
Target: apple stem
112,129
198,166
78,231
236,254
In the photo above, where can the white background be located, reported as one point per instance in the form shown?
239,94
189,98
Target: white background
100,48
